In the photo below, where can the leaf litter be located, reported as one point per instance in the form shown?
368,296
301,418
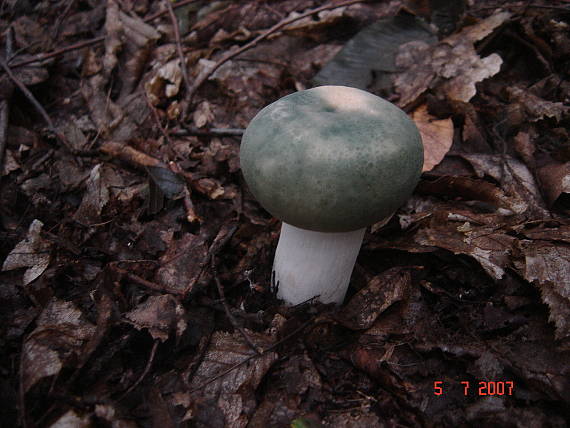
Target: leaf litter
136,264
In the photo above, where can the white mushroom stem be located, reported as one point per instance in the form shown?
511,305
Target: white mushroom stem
309,264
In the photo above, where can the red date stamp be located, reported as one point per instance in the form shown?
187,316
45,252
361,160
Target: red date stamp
480,388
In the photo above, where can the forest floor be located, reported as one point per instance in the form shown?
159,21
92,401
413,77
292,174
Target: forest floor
135,264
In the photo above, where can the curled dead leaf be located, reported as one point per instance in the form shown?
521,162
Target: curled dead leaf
453,64
555,181
33,253
535,107
437,136
160,315
547,265
60,333
381,292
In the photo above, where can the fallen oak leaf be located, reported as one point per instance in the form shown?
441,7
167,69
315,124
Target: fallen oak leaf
536,107
453,64
437,136
381,292
159,315
547,265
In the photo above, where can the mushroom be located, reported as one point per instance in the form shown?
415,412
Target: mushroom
328,161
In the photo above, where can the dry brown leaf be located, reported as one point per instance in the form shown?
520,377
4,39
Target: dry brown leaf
72,419
29,32
10,163
138,38
468,71
473,132
482,29
165,83
525,148
561,233
209,187
516,181
60,333
473,190
452,65
361,417
381,292
490,248
160,315
33,252
234,392
74,135
95,198
310,27
462,232
182,263
547,264
554,180
203,114
127,44
536,107
437,136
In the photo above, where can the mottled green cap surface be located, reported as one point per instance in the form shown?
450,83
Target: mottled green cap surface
331,158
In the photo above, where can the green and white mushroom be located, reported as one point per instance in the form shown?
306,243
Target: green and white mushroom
328,161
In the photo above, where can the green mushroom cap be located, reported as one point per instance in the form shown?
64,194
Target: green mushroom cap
331,158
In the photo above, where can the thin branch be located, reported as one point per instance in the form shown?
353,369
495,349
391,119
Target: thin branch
37,105
178,45
164,12
91,42
4,112
224,235
230,316
158,123
145,371
207,73
61,18
211,132
22,415
59,52
28,95
145,283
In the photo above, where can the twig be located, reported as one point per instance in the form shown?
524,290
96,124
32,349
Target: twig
92,42
157,120
130,155
525,6
178,44
212,132
61,18
207,73
28,94
221,239
21,393
191,215
61,51
145,283
145,371
37,105
230,316
5,96
4,108
251,357
164,12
